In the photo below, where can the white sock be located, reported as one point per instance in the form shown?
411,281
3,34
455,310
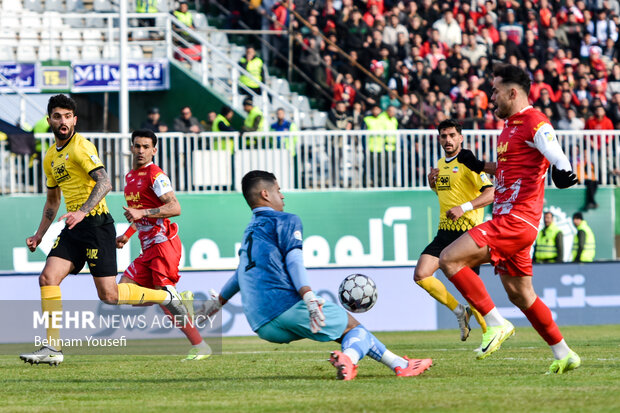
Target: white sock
494,318
202,344
392,360
560,350
353,355
459,310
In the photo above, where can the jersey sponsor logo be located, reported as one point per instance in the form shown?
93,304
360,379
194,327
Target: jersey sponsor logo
132,197
60,173
539,126
443,183
297,235
141,173
517,122
502,148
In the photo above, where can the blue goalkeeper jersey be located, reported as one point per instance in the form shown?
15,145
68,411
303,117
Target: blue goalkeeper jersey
267,289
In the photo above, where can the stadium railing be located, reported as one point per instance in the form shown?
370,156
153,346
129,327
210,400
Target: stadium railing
304,160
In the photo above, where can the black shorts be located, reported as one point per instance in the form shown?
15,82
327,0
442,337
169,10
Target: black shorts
441,241
93,244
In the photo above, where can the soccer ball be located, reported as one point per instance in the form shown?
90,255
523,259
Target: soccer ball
357,293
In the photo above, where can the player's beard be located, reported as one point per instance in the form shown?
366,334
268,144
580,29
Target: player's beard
63,135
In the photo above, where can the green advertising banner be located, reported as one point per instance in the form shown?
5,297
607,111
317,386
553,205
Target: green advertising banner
352,228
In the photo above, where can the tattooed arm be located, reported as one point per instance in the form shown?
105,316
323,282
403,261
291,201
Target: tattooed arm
170,208
50,209
101,188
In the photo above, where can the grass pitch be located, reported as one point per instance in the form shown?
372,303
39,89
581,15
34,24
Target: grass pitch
253,375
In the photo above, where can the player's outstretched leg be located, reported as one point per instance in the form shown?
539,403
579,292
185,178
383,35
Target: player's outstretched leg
359,342
438,291
498,328
51,353
540,316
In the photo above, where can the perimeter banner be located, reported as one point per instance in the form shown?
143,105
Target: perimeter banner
343,229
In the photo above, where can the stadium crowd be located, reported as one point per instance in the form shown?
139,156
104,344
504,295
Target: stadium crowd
432,60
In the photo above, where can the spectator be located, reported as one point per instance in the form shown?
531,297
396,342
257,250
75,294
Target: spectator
282,124
614,110
511,27
538,85
440,79
326,76
549,245
152,121
571,122
187,123
474,91
584,243
391,31
391,99
401,81
184,16
146,6
599,121
449,30
207,124
221,122
472,50
510,47
344,90
280,21
338,118
357,115
532,47
254,65
373,89
254,121
603,27
564,104
355,29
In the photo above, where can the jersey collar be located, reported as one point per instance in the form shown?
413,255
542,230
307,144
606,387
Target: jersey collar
260,209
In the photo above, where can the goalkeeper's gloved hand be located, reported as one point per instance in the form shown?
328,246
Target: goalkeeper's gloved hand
563,179
210,306
467,158
315,308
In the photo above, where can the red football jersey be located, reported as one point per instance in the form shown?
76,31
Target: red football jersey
143,187
521,167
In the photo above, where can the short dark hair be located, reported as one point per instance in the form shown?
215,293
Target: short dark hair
513,74
144,133
450,123
248,102
578,215
250,182
61,101
225,110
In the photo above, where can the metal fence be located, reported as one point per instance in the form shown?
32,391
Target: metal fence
304,160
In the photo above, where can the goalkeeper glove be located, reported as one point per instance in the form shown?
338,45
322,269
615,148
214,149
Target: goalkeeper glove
467,158
210,306
563,179
315,308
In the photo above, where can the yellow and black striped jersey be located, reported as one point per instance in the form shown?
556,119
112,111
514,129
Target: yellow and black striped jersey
457,184
69,168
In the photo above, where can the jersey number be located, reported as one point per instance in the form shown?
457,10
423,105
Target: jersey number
251,264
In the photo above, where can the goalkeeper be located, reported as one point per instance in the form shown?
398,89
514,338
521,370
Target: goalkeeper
277,300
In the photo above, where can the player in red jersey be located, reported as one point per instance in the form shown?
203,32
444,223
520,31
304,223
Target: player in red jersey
525,149
151,202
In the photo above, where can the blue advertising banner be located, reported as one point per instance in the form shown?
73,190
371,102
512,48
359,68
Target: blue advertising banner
104,76
22,76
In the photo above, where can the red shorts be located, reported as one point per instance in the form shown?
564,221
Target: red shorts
509,240
157,266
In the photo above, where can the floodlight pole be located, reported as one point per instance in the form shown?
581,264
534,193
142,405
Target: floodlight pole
123,92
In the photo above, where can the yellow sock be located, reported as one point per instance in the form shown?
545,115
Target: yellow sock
51,301
479,318
438,291
134,294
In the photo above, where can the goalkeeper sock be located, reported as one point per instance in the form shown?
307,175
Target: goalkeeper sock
189,329
51,301
134,294
438,291
359,342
